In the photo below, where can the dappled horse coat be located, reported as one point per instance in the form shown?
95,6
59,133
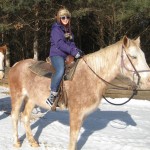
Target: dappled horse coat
84,92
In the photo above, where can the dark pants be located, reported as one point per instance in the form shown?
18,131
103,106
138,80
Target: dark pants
58,63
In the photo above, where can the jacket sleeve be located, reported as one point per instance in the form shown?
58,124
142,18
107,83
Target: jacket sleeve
58,39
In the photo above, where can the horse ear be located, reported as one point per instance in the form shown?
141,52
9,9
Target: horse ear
126,41
137,41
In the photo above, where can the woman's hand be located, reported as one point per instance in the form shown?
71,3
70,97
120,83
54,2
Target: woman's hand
79,54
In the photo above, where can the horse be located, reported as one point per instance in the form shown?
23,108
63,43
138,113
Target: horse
84,92
2,60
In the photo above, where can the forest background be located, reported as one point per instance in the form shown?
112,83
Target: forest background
25,25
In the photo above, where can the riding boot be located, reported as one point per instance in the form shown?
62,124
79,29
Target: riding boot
50,100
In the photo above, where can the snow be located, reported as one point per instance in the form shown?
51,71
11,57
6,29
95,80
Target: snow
124,127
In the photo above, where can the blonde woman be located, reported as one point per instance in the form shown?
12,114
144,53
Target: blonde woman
62,45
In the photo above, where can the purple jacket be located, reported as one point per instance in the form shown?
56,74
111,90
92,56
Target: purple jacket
60,46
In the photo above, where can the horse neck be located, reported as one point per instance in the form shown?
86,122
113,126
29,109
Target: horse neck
106,62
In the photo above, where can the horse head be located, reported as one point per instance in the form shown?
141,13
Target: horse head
134,64
2,60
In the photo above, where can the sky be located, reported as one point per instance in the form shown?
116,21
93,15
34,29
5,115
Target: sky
125,127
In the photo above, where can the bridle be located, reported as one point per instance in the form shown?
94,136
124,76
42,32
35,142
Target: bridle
135,72
4,64
2,69
133,88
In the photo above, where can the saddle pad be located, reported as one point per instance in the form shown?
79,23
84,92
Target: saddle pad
45,69
42,68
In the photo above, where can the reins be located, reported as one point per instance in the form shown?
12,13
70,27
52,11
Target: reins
134,88
135,71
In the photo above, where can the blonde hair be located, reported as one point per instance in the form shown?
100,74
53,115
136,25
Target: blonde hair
62,12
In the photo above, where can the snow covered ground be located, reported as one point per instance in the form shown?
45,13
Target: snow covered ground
110,127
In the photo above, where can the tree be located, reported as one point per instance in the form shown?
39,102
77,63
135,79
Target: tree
26,24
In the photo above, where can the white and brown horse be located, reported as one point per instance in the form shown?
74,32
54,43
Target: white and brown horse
2,60
84,92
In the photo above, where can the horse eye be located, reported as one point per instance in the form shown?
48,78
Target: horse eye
133,57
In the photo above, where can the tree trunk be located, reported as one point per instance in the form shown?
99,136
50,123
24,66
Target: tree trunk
35,46
35,42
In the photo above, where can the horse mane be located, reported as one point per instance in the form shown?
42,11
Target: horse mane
104,58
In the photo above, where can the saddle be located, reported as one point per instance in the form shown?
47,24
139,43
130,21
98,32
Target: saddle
45,69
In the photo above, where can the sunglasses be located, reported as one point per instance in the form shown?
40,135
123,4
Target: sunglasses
65,17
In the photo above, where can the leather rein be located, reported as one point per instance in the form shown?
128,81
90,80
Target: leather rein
135,72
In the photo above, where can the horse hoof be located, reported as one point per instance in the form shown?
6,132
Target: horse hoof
17,145
35,144
53,108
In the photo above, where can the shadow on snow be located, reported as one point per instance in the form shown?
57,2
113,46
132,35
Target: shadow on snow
98,120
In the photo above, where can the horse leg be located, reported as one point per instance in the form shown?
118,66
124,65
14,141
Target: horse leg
26,119
76,120
16,105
